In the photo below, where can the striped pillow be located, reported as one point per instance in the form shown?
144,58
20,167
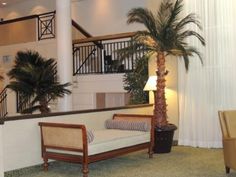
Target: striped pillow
90,136
127,125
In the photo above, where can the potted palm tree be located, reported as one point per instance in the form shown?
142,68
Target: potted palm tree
34,79
165,34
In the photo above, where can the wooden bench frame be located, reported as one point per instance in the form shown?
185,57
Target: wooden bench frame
85,159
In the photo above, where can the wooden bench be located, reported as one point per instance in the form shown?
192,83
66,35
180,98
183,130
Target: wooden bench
68,142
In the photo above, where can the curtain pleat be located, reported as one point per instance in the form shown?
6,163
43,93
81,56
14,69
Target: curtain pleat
206,89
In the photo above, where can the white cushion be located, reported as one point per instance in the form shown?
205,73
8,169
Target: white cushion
111,139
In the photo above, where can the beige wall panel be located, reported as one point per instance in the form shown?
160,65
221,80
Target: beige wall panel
100,100
18,32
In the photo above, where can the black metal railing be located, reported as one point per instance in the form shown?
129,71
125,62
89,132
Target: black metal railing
3,103
86,59
22,102
99,54
46,26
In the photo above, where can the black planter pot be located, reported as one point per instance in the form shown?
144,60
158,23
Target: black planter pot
163,138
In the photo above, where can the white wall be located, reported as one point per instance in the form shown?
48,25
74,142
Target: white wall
21,138
85,88
11,102
102,17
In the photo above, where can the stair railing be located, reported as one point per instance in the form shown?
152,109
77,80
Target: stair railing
85,59
22,102
3,103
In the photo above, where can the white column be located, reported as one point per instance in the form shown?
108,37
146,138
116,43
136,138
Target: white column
64,49
1,150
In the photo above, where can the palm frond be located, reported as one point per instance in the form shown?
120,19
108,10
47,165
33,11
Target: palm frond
130,50
189,33
178,7
31,109
185,52
192,50
164,13
37,98
185,55
191,18
145,35
145,17
165,31
22,87
58,90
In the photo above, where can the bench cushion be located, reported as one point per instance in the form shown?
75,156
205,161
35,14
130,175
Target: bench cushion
127,125
111,139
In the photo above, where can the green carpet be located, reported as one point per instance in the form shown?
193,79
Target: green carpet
181,162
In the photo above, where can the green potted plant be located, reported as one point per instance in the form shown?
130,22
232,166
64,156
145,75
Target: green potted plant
165,34
134,81
34,78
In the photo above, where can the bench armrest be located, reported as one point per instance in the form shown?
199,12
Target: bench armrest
71,137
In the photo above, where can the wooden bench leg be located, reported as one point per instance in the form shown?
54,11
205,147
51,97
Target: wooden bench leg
150,154
85,170
45,164
227,169
150,151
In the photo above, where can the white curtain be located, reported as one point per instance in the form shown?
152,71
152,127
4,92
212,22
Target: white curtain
204,90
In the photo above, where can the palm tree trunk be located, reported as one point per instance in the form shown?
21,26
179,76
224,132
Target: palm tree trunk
160,115
44,106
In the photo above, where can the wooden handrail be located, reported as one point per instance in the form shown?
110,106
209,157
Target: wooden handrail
24,18
81,29
104,38
18,19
